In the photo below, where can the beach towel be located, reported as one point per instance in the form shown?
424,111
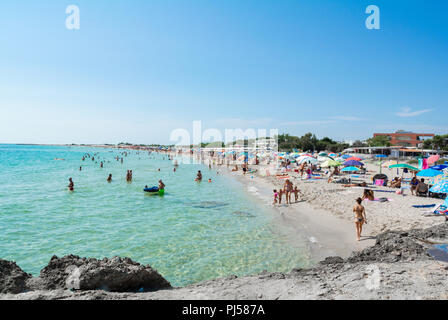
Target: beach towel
424,206
389,191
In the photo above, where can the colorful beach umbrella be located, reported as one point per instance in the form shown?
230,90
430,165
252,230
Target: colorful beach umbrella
404,166
345,156
350,169
441,187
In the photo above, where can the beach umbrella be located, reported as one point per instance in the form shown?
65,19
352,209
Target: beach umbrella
350,169
429,173
323,154
433,159
333,155
441,187
345,156
307,160
353,163
381,156
403,166
353,158
432,176
440,167
330,163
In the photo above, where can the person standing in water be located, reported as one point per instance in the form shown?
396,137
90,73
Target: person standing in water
360,217
199,176
161,185
109,179
71,185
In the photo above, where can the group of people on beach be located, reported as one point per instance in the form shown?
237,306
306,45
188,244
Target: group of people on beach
287,190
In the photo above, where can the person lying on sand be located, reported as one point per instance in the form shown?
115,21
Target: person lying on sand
360,217
362,184
368,194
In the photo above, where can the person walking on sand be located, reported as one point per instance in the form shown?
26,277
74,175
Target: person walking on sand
360,217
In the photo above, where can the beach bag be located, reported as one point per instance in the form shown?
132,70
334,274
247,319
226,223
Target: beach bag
379,182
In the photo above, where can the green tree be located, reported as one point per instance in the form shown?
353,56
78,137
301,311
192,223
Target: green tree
379,141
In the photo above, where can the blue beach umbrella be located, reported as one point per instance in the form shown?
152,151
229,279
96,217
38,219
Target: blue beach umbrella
439,167
346,156
353,163
349,169
429,173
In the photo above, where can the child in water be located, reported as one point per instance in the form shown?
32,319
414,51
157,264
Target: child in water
275,197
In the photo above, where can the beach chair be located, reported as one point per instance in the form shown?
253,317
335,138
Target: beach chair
440,210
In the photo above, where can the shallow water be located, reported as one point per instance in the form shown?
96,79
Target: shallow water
195,232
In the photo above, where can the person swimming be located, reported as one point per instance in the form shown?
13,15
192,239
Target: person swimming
161,185
71,185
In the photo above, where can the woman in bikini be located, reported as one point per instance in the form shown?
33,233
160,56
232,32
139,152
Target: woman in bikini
360,217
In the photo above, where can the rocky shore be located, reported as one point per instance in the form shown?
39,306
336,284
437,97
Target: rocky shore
401,265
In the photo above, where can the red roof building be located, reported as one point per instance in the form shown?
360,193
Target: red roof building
406,139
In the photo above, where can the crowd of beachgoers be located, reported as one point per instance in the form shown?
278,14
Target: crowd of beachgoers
389,194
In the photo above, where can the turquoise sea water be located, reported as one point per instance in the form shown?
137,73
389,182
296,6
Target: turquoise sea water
197,231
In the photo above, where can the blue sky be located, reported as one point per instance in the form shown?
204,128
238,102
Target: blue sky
136,70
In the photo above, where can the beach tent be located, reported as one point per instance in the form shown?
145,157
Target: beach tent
350,169
353,163
381,178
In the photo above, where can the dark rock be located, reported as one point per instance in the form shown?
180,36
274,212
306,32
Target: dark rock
12,278
332,260
116,274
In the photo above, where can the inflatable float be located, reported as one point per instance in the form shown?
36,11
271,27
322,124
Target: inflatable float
155,190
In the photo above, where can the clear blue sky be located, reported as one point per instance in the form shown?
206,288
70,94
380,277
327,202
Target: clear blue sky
138,69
